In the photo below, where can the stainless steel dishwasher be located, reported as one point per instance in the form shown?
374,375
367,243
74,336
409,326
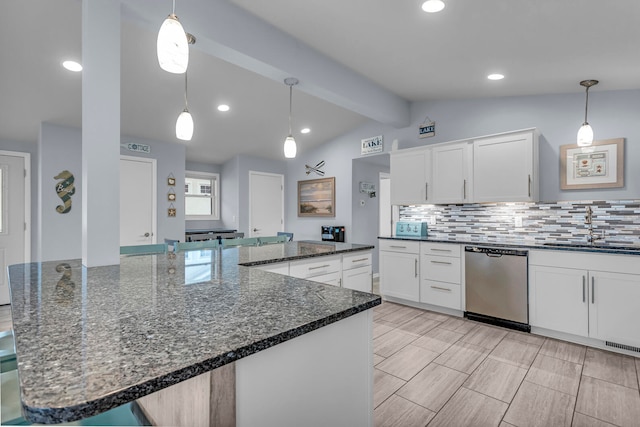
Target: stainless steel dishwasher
497,287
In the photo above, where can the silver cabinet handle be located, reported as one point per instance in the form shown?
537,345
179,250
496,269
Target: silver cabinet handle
584,288
440,262
320,266
440,250
442,289
464,189
360,260
416,267
529,185
593,291
426,191
398,247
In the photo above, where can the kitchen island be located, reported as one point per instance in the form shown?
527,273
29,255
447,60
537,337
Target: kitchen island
91,339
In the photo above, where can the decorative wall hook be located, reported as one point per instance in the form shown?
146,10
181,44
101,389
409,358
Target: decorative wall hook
315,168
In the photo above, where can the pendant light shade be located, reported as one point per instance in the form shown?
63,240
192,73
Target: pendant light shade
173,46
433,6
184,126
290,149
585,133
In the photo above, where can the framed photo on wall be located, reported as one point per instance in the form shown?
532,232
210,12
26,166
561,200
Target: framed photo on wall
600,165
317,197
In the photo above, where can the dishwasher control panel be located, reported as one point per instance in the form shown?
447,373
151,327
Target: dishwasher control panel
496,251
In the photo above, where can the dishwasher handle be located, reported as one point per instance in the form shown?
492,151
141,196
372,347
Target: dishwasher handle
496,252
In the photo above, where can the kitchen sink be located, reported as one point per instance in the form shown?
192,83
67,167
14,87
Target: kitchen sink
590,245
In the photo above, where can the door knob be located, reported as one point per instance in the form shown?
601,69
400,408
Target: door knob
256,229
147,234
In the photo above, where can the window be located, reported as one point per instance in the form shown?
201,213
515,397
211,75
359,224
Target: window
201,198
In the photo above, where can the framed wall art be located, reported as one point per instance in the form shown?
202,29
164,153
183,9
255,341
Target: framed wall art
317,197
600,165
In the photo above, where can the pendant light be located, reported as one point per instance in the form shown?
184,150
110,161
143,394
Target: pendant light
184,124
173,45
290,143
585,133
433,6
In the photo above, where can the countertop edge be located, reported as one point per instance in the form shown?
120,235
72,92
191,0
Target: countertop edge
567,248
120,397
299,257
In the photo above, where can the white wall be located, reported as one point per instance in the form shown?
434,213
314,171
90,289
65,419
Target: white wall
59,149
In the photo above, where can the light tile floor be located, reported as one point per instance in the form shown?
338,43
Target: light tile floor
438,370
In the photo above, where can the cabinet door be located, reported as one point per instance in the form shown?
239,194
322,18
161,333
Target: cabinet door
357,278
399,275
558,299
503,169
450,167
613,307
410,177
328,279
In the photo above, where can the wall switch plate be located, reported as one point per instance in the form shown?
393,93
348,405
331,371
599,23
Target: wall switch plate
518,221
432,220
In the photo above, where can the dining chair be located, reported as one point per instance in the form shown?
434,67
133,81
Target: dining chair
200,244
284,233
272,239
245,241
158,248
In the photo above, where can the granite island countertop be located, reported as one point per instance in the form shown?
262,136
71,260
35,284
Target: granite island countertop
90,339
619,248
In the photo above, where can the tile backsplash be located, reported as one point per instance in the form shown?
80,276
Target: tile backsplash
560,222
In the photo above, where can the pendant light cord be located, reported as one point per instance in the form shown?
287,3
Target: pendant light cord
174,7
290,101
586,105
186,103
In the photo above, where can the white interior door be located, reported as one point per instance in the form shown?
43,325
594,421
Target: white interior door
138,211
12,217
266,204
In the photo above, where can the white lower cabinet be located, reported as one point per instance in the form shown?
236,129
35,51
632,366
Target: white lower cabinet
589,301
399,269
613,313
440,274
358,279
351,270
558,299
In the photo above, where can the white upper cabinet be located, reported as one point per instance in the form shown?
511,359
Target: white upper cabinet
505,168
410,177
451,173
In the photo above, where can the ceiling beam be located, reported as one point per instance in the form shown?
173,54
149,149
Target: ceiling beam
230,33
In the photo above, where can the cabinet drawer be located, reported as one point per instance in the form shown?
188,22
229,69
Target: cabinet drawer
441,268
322,265
439,293
400,246
356,259
442,249
328,279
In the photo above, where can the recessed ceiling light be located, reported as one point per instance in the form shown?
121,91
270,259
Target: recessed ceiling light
72,66
433,6
305,130
223,107
495,76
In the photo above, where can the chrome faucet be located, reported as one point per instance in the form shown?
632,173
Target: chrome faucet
588,220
